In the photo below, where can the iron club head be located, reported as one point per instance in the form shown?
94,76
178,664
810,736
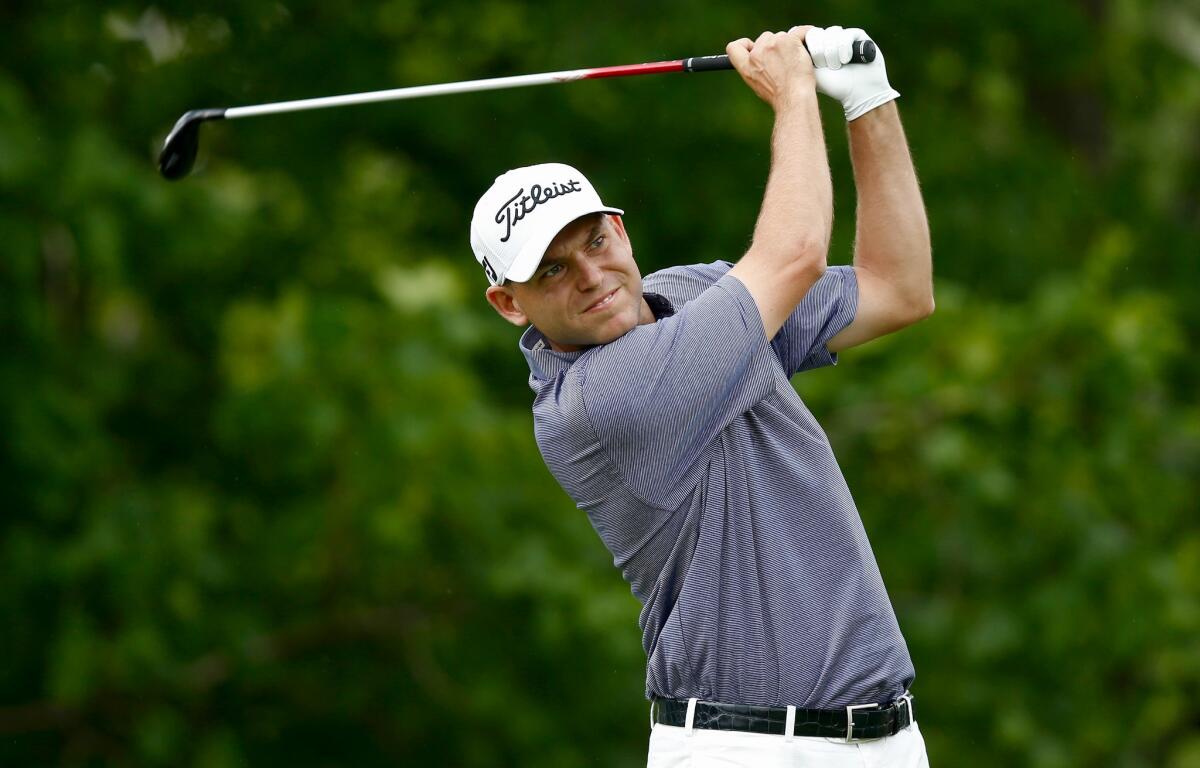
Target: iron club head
179,150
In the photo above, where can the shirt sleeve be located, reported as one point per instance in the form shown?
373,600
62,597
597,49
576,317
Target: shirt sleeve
659,395
826,309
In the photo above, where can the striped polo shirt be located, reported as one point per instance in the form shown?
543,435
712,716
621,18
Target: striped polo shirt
718,495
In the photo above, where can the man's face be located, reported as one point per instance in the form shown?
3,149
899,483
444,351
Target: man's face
587,290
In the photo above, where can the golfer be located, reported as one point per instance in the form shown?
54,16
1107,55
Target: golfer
664,409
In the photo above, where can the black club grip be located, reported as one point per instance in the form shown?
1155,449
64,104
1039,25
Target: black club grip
864,53
707,63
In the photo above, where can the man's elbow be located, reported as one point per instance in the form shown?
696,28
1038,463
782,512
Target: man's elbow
803,273
926,306
920,307
801,261
919,297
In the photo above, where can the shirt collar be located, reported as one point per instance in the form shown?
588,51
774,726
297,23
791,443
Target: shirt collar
546,364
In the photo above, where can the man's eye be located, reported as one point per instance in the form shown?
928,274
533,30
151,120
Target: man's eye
552,270
598,241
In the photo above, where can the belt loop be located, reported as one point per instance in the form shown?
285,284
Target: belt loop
653,701
789,728
691,716
912,716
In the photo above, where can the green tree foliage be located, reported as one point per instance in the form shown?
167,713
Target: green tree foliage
273,496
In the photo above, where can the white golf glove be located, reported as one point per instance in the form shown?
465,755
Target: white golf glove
860,87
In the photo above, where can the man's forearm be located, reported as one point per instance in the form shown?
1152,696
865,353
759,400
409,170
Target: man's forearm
797,209
791,236
892,232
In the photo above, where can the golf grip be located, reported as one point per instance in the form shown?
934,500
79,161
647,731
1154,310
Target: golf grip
864,53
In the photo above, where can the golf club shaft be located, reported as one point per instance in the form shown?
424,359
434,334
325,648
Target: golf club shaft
179,150
697,64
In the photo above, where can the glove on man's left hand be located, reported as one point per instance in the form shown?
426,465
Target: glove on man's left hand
860,87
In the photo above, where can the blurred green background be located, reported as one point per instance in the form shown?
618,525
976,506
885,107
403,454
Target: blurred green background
272,491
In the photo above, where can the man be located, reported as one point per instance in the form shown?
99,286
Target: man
664,408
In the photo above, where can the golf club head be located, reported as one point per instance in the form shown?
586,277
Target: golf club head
179,150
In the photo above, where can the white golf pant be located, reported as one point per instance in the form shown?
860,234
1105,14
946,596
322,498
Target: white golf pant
679,747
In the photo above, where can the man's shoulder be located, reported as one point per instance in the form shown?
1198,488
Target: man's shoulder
683,283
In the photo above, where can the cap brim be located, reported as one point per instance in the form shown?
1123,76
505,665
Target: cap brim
531,255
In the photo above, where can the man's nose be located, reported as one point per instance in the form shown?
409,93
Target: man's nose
590,274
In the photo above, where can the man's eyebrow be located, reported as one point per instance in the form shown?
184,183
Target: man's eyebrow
592,234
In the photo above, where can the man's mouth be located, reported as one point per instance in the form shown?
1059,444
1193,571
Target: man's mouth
603,302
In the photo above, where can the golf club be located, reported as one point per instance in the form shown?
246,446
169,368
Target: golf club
179,150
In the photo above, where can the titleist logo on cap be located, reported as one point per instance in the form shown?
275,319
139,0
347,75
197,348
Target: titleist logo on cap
521,205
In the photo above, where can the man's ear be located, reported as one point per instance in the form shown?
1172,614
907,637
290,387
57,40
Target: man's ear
505,304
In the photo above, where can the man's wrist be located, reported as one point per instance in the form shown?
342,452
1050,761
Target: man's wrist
875,119
803,95
855,111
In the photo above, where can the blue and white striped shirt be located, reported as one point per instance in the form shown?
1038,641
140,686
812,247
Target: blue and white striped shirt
718,495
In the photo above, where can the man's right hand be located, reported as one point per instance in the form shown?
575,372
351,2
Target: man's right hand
776,65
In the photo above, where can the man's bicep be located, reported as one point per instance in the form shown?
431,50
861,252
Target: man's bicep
881,310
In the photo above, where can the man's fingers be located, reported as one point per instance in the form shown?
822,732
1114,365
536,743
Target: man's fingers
845,49
800,31
814,41
739,51
831,42
743,43
773,64
849,37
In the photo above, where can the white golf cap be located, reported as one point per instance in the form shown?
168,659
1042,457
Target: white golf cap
518,217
